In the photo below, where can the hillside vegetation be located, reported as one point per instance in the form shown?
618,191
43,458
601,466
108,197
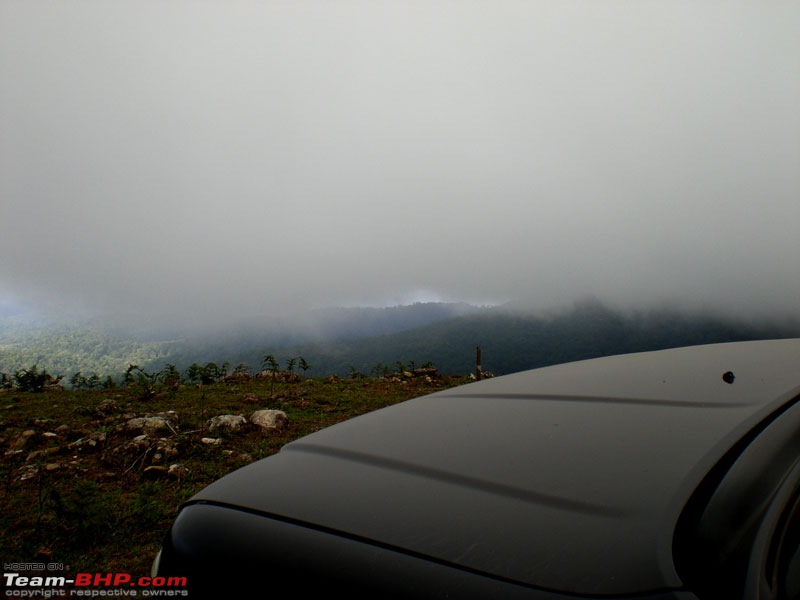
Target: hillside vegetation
372,341
513,341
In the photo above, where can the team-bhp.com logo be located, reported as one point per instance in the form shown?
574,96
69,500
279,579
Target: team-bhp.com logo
92,585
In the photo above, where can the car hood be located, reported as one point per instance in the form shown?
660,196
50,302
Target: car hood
567,478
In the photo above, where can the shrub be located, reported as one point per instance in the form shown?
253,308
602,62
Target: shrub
33,380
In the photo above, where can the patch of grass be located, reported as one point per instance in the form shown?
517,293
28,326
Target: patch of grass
78,488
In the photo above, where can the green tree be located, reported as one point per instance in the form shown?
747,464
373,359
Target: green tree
193,372
206,374
33,380
148,382
171,377
241,369
77,381
380,370
271,365
304,366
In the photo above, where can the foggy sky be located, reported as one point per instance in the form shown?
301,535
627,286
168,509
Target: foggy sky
247,157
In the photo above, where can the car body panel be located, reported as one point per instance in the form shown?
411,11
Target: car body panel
568,478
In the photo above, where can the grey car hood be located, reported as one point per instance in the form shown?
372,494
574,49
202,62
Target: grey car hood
569,477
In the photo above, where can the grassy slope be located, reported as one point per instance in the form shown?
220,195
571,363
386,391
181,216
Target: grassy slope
97,508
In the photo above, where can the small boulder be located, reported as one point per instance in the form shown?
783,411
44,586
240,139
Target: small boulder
148,425
269,420
177,470
231,422
24,438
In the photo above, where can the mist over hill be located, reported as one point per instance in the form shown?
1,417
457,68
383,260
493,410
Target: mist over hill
371,341
107,345
513,340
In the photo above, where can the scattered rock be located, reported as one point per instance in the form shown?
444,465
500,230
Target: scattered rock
427,372
24,439
231,422
149,425
154,470
177,470
284,376
149,444
269,419
107,406
28,472
237,377
39,453
90,442
140,441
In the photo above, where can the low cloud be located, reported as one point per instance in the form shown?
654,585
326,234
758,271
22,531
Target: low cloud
221,160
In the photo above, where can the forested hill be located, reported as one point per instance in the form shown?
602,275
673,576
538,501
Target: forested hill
107,346
514,341
372,341
66,349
